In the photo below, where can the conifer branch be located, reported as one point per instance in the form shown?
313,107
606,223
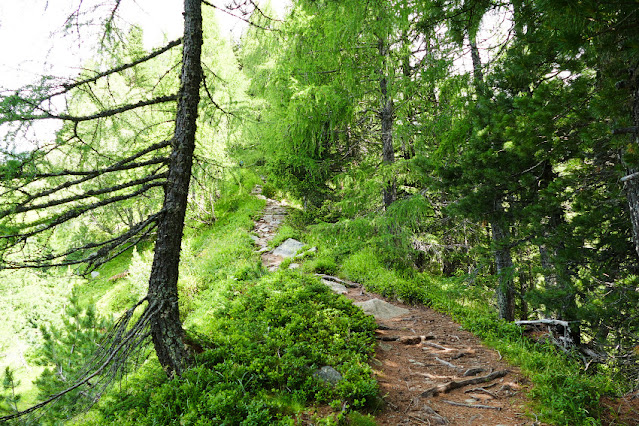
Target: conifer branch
104,254
23,207
248,21
69,184
69,86
256,7
210,96
79,211
46,115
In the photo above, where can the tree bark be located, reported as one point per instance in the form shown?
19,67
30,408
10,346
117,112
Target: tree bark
504,265
166,329
631,185
386,118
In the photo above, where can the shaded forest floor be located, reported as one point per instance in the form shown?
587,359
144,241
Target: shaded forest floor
429,370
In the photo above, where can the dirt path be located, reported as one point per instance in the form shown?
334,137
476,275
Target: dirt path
430,371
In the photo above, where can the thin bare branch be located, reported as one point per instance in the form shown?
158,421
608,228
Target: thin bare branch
22,208
248,21
70,86
105,113
110,357
76,212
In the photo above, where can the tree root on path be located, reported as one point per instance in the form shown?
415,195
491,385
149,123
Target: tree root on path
452,385
460,404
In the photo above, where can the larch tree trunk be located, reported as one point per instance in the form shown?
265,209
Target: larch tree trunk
166,329
631,182
504,266
386,119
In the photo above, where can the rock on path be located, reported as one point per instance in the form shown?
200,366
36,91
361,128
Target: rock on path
381,309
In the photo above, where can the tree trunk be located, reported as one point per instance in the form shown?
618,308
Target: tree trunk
504,266
166,328
386,118
631,185
478,74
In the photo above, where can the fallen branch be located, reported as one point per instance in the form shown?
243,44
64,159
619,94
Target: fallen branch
546,321
629,177
452,385
473,371
417,419
460,404
564,342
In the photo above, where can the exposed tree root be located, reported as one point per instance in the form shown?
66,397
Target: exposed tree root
452,385
460,404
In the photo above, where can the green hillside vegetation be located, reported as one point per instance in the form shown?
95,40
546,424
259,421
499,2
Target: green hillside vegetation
498,189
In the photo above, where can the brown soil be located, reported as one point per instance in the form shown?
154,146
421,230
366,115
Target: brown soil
425,349
621,411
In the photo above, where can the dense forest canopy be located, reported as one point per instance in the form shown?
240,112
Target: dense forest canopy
491,142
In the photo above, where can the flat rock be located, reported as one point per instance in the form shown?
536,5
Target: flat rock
336,287
381,310
288,248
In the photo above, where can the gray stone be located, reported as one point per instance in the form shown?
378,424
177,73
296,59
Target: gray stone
255,238
336,287
328,374
293,266
95,274
385,346
288,248
307,252
381,310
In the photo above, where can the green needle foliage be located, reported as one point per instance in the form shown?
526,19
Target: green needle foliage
10,399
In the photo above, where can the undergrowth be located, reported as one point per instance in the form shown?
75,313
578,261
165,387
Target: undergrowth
262,350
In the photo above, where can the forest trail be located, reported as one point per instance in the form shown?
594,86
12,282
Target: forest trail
430,371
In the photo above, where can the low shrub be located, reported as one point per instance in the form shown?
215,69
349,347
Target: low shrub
263,347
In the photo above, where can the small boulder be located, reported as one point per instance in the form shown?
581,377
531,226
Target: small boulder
336,287
328,375
288,248
381,310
